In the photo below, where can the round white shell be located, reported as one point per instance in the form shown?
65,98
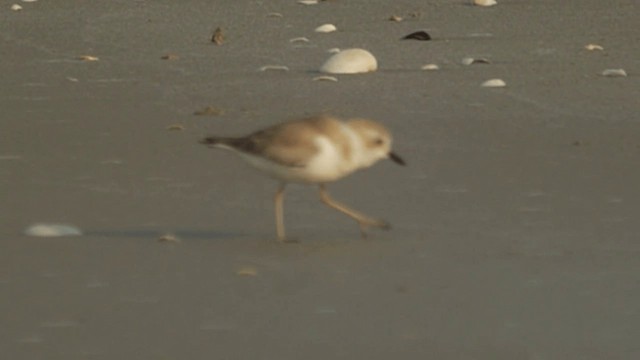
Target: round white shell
350,61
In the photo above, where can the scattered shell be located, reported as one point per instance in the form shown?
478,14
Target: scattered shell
592,47
29,1
470,60
247,271
274,14
395,18
72,79
169,57
418,35
16,7
217,37
299,39
308,2
484,2
614,73
88,58
175,127
325,78
52,230
350,61
274,67
168,238
326,28
209,111
430,67
494,83
333,51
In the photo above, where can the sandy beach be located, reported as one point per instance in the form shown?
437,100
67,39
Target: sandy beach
515,231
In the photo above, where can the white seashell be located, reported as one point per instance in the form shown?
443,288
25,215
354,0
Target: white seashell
16,7
308,2
274,67
592,47
614,73
494,83
484,2
299,39
325,78
333,50
52,230
326,28
28,1
350,61
430,67
275,14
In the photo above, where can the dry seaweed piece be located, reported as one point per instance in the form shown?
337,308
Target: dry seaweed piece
418,35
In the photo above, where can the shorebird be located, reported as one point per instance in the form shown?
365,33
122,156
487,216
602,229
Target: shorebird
315,150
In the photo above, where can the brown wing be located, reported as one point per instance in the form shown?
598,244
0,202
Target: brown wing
290,143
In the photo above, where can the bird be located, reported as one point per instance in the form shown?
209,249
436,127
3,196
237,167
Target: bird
314,150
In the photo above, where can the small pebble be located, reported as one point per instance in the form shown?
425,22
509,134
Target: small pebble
485,2
494,83
168,238
170,57
418,35
326,28
614,73
16,7
430,67
350,61
52,230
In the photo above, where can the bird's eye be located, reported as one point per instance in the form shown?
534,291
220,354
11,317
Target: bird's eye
378,141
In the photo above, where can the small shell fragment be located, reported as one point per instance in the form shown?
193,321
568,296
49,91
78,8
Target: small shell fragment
395,18
175,127
16,7
247,271
326,28
430,67
592,47
275,14
299,39
168,238
88,58
614,73
209,111
325,78
169,57
470,61
52,230
494,83
217,37
274,67
418,35
350,61
308,2
485,2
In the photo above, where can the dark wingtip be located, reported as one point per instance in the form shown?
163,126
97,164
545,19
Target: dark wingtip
397,159
208,140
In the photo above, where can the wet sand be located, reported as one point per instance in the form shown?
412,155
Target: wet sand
515,224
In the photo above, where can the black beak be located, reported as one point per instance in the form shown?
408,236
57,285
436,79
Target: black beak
397,159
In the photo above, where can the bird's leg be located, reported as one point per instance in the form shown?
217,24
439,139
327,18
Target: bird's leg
279,212
363,220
